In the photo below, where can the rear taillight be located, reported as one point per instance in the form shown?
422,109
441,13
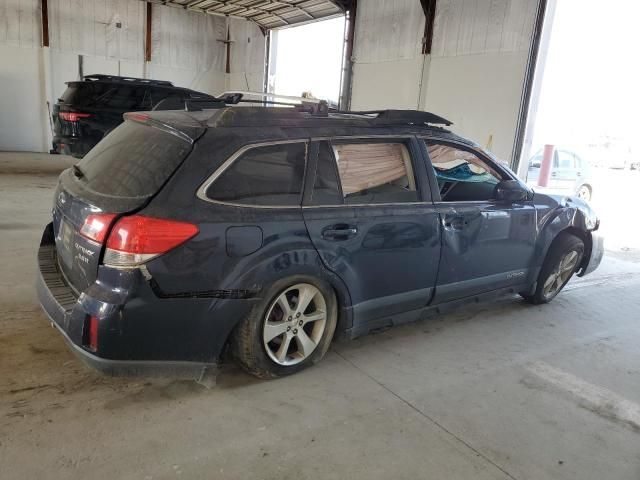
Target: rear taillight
137,239
96,226
73,116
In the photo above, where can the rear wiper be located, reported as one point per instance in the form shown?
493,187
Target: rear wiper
77,171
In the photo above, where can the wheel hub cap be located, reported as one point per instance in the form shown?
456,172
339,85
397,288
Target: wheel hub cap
294,324
561,274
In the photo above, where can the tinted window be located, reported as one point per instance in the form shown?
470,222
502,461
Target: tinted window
158,94
326,190
461,174
270,175
375,173
134,160
109,95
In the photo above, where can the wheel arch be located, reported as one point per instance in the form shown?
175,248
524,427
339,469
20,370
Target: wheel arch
303,262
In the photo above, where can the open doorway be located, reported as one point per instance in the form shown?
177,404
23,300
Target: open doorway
585,103
307,60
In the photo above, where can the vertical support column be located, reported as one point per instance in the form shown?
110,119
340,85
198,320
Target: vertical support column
267,59
45,22
347,61
532,86
45,78
429,9
147,38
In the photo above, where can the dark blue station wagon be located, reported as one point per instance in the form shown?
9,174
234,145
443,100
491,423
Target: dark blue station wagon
264,232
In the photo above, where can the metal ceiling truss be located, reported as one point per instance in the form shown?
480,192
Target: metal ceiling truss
265,13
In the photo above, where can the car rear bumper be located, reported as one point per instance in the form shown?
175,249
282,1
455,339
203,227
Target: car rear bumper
595,256
76,147
67,312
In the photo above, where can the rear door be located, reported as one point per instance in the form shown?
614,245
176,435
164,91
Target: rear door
370,216
119,175
486,244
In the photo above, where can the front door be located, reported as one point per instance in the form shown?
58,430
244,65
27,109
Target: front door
486,245
371,218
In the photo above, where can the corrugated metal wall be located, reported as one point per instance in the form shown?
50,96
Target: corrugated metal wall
467,27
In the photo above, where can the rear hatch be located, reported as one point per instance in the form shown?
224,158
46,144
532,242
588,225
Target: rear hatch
92,108
120,175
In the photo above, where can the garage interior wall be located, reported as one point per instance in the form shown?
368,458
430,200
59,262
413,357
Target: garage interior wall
187,48
474,75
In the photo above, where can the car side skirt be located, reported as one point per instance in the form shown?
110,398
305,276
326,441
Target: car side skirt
386,322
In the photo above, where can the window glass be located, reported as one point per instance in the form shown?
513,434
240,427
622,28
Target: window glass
462,176
108,95
326,190
375,173
565,159
159,93
269,175
134,160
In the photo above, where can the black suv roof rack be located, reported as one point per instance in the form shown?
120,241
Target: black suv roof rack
115,78
316,108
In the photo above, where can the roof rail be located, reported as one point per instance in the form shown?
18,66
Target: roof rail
399,116
148,81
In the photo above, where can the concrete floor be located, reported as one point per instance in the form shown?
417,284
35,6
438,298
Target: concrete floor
501,390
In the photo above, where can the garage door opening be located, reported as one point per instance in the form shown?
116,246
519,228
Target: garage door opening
584,103
307,60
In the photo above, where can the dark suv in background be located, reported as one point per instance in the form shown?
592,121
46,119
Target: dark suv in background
89,109
266,230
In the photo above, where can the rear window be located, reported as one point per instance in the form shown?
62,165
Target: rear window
134,160
108,95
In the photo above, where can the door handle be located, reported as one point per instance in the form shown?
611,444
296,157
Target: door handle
339,232
454,222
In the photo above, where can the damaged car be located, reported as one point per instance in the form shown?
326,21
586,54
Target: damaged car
262,233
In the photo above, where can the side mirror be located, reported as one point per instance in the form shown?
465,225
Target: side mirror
511,191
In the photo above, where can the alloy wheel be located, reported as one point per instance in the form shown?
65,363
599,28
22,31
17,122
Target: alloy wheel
294,324
561,274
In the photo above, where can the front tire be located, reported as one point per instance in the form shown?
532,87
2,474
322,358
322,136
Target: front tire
562,261
289,330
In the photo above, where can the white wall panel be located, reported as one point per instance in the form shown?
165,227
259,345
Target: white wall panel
188,39
90,27
23,124
248,47
247,56
388,30
469,27
20,24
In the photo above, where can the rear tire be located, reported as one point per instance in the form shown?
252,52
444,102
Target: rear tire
562,261
289,330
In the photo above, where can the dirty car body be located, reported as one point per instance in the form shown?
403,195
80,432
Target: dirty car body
392,254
